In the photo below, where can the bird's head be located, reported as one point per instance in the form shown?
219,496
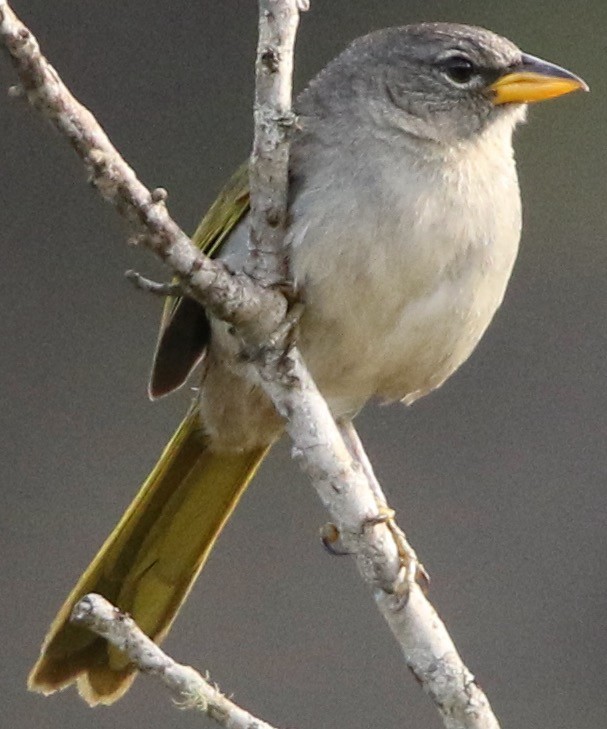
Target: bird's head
440,81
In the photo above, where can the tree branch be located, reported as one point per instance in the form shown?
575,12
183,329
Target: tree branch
259,314
186,686
274,119
233,298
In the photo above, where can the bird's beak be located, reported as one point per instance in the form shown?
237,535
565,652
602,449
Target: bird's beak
534,80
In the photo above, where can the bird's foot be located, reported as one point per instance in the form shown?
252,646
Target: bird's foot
286,332
412,569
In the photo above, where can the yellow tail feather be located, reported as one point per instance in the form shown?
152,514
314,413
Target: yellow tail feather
149,562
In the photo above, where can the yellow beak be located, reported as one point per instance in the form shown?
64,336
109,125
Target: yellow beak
534,80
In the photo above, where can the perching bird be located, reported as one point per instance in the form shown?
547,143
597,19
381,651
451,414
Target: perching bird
405,220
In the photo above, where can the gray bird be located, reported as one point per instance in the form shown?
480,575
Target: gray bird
405,220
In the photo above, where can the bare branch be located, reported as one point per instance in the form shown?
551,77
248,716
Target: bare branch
269,164
232,298
187,687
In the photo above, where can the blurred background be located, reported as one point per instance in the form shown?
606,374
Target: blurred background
498,478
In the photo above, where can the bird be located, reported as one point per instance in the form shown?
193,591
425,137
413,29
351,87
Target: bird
404,226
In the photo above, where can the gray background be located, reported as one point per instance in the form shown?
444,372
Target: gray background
498,478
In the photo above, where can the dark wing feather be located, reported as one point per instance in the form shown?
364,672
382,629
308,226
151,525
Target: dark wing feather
185,329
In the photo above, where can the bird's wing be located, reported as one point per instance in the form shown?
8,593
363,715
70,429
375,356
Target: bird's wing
184,327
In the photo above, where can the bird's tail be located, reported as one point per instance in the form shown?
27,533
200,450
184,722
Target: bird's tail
148,563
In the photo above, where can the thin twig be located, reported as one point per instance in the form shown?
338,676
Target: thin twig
187,687
153,287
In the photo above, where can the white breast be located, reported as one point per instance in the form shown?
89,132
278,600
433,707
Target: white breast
404,270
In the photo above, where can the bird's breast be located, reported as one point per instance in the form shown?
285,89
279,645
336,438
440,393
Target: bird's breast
401,274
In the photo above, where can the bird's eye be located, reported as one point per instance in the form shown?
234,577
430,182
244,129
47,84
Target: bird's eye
459,69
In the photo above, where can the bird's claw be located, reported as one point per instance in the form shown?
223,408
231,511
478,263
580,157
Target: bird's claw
413,570
330,538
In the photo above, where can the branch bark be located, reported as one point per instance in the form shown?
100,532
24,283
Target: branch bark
342,478
274,119
185,685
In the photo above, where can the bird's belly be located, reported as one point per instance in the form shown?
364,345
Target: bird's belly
386,336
